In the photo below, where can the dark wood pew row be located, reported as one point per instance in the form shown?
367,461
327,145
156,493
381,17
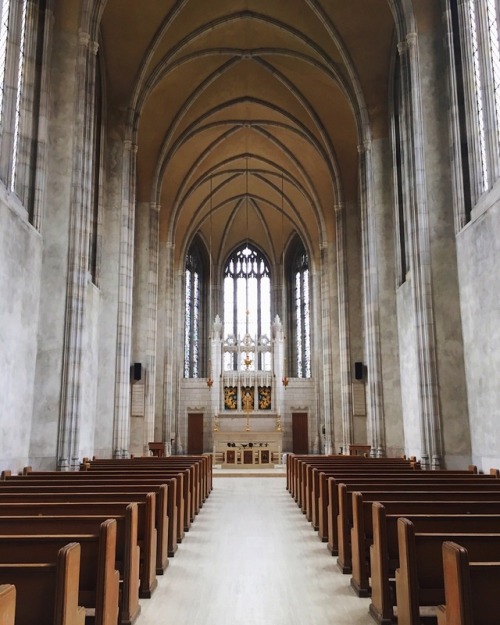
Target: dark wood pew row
200,465
193,490
295,466
12,503
300,465
178,489
327,501
316,486
166,508
128,492
98,586
47,592
127,550
420,576
470,589
293,460
307,483
343,494
384,552
7,604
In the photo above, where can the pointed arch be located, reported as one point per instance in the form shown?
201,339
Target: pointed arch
297,271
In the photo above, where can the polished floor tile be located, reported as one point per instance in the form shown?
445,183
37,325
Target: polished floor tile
251,558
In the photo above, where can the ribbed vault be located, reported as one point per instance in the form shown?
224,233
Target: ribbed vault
247,114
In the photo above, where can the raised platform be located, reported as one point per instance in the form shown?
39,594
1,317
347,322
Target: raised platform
278,470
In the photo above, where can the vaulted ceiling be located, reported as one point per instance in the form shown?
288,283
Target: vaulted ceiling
248,113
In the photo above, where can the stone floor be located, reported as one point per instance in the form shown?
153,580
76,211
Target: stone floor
252,559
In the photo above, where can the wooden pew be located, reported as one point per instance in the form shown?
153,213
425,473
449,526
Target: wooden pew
127,550
47,592
98,588
420,577
470,589
147,535
199,465
328,495
7,604
166,509
384,553
438,484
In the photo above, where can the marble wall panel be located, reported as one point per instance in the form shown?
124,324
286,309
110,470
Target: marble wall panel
478,250
55,253
103,443
445,290
409,371
20,268
389,347
89,419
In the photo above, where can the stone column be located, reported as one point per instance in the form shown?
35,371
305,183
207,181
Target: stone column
420,260
151,313
343,311
170,427
324,343
375,411
70,408
121,426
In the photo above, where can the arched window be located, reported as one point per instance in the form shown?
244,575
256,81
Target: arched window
22,32
94,243
476,90
247,299
300,343
193,334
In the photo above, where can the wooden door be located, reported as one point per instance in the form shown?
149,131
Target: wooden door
300,440
195,433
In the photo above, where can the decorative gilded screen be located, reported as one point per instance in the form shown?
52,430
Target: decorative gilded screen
247,398
264,397
230,397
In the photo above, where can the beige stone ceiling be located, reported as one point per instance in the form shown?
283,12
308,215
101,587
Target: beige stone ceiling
248,111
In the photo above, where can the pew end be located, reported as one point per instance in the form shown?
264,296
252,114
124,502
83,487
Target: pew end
7,604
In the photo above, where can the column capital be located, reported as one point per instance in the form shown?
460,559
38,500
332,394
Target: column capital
83,38
339,208
94,47
129,146
364,147
412,39
402,47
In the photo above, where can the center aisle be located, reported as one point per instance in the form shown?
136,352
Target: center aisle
251,558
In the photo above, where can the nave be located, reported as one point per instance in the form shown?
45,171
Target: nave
252,558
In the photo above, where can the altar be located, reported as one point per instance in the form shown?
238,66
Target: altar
247,449
247,394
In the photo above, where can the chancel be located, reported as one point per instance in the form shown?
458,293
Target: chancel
248,401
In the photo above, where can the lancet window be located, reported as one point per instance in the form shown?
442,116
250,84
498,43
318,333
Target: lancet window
194,286
247,303
301,313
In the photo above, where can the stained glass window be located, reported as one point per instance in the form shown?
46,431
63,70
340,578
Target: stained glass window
301,314
247,300
19,94
193,348
4,31
476,65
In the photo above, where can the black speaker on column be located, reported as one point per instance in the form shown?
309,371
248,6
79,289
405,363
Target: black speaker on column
136,371
358,370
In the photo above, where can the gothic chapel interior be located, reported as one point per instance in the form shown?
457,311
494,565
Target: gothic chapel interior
284,214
